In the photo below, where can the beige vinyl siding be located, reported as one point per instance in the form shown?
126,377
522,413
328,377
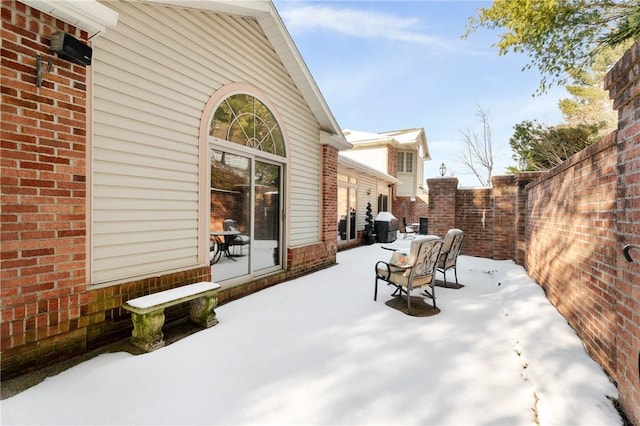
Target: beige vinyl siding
365,183
152,75
406,188
372,157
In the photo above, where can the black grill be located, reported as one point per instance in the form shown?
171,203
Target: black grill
386,227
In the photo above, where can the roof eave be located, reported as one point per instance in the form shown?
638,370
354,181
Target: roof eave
88,15
354,164
275,30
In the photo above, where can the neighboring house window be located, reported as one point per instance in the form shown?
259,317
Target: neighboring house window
245,120
405,162
383,203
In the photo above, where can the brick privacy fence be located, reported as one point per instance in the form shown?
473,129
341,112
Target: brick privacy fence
488,216
568,227
579,216
49,311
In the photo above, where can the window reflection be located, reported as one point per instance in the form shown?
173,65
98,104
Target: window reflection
230,205
245,120
267,216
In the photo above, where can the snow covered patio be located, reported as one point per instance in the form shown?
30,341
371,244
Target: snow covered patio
319,350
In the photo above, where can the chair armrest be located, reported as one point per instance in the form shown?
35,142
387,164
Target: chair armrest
387,267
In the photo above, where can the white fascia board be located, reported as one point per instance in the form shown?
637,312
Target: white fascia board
252,8
88,15
335,141
422,140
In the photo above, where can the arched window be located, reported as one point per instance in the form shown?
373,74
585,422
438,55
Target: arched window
244,120
247,165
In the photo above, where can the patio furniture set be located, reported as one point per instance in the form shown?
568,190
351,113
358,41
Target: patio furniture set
417,269
405,271
231,237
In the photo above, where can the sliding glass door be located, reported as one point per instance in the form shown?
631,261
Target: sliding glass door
266,216
245,221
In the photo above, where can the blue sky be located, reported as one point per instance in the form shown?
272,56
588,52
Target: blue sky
388,65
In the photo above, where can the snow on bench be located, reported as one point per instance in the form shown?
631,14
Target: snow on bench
147,312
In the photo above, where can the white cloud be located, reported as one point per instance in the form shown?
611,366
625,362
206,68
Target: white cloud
362,24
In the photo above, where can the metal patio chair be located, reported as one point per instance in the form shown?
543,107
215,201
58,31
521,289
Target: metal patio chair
450,252
409,231
412,271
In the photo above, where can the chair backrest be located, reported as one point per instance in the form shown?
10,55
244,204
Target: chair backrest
404,221
229,225
424,254
451,248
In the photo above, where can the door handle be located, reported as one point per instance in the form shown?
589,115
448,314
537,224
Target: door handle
625,251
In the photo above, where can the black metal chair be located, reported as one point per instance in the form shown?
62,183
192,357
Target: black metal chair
417,271
236,240
409,231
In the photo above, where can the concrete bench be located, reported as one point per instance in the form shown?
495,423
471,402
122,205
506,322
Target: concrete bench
147,312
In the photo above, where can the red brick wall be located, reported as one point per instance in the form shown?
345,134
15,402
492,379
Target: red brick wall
392,161
329,189
579,216
227,205
43,188
442,205
412,210
474,215
624,86
505,193
571,244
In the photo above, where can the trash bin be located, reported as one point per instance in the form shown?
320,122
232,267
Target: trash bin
386,226
424,225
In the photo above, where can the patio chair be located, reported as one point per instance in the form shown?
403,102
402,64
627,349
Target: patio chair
450,252
240,240
409,232
413,271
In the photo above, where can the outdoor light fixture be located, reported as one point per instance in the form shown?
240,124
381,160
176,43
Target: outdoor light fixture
443,169
42,68
522,164
369,191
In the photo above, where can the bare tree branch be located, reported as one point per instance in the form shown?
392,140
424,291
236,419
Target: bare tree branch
477,155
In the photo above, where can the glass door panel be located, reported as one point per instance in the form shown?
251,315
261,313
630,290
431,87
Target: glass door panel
352,212
230,221
343,211
266,239
346,214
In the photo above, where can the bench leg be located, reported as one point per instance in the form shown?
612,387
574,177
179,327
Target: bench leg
202,311
147,330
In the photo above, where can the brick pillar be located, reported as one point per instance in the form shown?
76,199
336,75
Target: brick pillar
329,197
522,179
442,204
623,83
504,216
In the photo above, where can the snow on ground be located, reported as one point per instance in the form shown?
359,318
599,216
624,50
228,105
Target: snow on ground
319,350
